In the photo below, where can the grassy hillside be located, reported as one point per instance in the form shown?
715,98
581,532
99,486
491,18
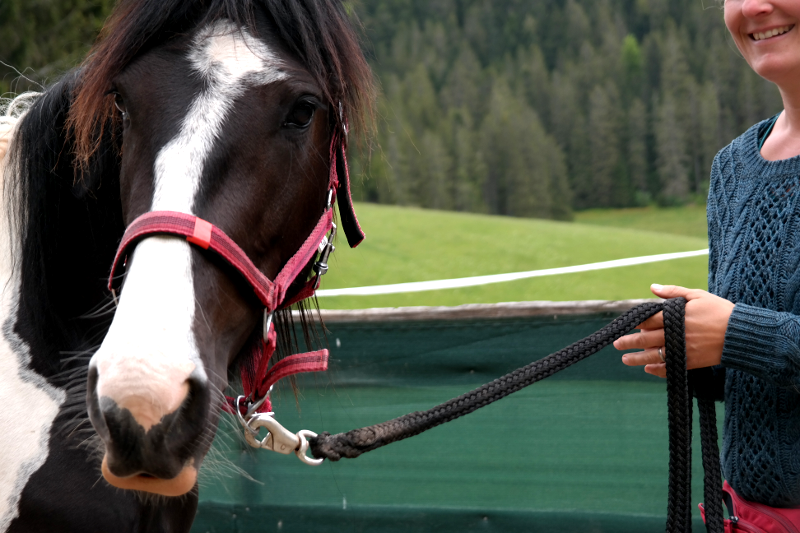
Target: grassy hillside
687,220
408,244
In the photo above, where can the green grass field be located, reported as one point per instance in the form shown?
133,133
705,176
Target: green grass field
408,244
688,220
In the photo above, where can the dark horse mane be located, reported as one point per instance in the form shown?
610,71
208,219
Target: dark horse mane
64,230
62,182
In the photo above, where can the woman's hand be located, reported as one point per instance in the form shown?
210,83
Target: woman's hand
706,322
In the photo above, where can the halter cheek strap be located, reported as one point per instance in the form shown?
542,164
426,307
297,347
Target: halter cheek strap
347,214
257,376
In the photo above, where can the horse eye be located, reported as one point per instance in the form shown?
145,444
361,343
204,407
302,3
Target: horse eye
120,104
301,115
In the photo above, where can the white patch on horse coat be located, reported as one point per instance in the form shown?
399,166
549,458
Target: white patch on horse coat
29,403
150,349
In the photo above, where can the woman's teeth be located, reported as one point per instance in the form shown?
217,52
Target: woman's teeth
771,33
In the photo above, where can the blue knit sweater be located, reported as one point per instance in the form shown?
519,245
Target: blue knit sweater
754,238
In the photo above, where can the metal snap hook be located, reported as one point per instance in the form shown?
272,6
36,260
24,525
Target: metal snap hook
278,439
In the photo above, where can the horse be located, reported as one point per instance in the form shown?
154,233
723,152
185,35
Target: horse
231,113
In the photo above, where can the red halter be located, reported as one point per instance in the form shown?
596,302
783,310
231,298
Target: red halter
257,376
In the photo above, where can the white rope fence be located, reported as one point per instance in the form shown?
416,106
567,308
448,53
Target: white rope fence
435,285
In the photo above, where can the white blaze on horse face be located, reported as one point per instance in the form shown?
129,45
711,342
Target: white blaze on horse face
150,349
228,59
30,404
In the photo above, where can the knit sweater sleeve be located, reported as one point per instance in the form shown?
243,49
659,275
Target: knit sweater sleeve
764,343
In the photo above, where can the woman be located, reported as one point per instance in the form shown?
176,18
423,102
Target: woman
749,322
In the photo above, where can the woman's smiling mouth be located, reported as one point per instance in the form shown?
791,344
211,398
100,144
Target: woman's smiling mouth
760,36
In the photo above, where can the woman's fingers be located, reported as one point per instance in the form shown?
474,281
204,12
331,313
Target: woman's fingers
641,340
646,357
659,370
706,322
673,291
654,322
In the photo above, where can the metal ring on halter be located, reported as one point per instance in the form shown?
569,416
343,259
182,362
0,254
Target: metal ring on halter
267,323
301,452
254,407
242,421
330,198
661,355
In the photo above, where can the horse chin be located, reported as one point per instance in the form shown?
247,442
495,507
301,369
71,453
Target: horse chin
177,486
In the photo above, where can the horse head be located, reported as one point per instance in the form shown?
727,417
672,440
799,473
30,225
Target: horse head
232,119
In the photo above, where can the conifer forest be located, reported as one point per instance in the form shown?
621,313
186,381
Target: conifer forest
530,108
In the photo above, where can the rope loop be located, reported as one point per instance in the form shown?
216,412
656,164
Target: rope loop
680,389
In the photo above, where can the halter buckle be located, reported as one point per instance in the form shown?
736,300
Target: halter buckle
326,248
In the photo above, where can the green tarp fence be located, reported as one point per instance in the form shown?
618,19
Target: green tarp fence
585,450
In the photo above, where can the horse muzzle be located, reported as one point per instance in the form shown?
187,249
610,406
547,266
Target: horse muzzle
152,430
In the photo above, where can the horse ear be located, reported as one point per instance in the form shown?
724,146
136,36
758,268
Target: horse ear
347,215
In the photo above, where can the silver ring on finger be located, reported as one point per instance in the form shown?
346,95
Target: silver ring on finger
661,355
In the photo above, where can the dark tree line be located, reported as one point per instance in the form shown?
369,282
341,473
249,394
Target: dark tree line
41,39
538,108
515,107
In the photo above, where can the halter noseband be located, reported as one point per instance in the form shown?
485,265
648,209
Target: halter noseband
257,376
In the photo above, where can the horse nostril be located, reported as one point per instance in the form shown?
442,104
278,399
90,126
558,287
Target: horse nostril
196,404
93,404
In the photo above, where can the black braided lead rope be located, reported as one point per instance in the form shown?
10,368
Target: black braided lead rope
358,441
712,494
679,416
681,385
353,443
